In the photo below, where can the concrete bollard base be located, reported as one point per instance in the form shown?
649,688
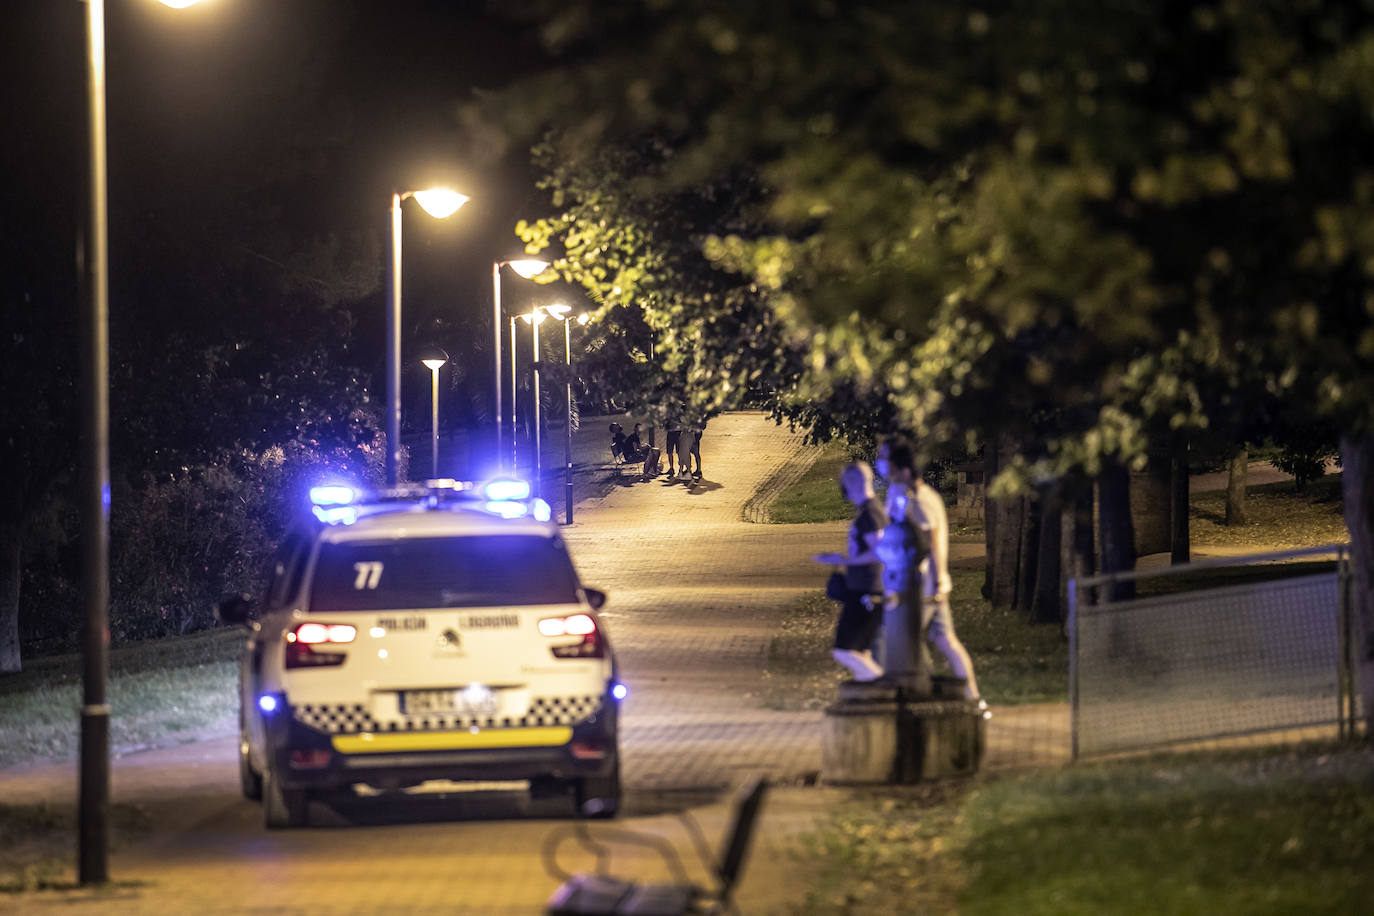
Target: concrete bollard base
875,734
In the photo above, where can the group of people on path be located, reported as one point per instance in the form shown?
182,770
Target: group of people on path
681,450
868,587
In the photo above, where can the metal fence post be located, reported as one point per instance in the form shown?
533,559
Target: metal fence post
1073,668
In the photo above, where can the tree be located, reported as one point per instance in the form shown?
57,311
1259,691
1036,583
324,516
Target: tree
1067,208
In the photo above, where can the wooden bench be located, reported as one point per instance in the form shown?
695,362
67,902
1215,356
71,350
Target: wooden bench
599,894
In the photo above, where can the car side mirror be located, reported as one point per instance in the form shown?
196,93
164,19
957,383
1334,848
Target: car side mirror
595,597
236,610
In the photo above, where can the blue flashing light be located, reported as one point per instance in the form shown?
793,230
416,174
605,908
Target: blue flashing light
506,508
542,511
620,691
507,489
333,495
337,515
267,703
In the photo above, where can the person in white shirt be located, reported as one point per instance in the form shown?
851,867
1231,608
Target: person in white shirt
911,497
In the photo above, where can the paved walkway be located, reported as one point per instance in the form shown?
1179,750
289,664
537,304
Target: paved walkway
696,593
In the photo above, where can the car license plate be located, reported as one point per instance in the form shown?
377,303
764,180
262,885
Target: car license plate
472,700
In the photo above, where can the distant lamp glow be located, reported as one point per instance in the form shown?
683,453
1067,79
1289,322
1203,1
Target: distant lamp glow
178,4
439,203
558,310
584,318
529,268
433,359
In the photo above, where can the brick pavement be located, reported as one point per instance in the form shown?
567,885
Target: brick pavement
695,593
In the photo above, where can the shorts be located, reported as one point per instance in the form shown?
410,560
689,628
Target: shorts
671,440
857,624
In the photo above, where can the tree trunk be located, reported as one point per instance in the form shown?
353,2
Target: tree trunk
11,547
1180,549
1357,489
1115,529
1235,487
1002,522
1006,551
990,459
1084,542
1031,512
1046,603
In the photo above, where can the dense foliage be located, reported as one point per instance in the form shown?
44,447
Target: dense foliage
1072,232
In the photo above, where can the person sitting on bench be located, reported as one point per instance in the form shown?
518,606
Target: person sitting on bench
633,448
618,444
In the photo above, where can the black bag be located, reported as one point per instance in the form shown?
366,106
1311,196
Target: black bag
835,587
651,456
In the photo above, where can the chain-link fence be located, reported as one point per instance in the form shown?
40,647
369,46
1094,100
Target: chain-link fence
1244,646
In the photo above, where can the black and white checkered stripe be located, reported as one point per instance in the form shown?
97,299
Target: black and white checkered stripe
350,718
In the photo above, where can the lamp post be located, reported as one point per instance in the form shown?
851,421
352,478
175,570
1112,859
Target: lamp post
433,359
560,312
439,203
93,258
513,462
533,318
527,268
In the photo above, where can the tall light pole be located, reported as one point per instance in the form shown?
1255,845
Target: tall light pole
560,312
514,463
534,317
433,359
93,798
527,268
439,203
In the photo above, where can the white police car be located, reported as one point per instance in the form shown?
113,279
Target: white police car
426,632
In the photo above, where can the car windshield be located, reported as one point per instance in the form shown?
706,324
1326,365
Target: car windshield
473,571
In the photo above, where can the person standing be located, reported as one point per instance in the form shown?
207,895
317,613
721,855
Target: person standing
671,438
685,443
923,506
860,610
695,451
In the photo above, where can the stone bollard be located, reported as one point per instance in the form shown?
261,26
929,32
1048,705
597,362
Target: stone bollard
878,733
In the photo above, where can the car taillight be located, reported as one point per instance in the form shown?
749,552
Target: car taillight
584,625
300,642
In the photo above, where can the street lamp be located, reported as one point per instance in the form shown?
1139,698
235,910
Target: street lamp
434,359
535,316
528,268
560,312
93,797
439,203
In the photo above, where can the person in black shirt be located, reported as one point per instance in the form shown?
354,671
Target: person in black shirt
860,616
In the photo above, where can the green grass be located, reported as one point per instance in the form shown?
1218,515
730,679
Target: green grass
1277,517
816,496
37,840
1015,662
1262,831
161,692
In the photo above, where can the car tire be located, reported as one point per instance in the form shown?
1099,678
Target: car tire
250,780
282,807
599,796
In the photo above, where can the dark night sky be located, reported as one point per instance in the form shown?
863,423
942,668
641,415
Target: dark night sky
333,103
